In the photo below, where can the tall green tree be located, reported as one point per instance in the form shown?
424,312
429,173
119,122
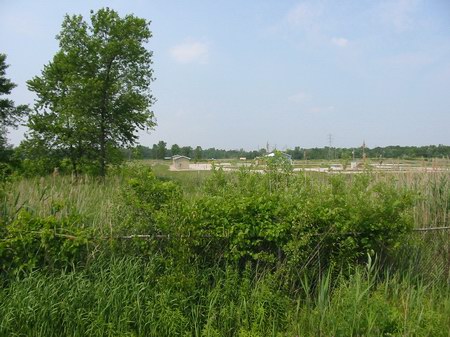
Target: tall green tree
155,151
198,152
95,93
161,150
10,114
175,149
186,151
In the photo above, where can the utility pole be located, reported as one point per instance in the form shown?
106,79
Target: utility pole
364,151
330,142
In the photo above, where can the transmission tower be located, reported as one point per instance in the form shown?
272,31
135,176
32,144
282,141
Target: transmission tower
330,143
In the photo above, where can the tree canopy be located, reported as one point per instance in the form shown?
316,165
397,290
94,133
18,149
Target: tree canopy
10,115
95,93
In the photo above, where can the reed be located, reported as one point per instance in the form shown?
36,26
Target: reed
130,297
124,294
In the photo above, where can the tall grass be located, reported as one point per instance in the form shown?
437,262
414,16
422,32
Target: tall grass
98,202
96,198
130,297
61,195
432,207
429,255
125,295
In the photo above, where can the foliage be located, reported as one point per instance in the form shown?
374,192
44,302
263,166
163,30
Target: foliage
344,155
237,254
31,242
175,149
161,151
198,153
94,94
271,218
274,218
10,115
149,204
136,297
38,158
279,217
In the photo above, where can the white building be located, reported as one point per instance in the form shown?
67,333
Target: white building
283,154
180,162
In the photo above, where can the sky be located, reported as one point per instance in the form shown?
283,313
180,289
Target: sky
240,74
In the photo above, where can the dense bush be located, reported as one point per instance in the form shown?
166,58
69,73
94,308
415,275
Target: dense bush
339,220
30,242
151,207
240,254
272,218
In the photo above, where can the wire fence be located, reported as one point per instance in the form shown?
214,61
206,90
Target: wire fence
210,236
429,256
183,236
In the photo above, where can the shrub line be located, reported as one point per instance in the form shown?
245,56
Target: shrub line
426,229
182,236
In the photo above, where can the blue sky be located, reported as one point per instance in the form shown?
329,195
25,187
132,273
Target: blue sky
238,74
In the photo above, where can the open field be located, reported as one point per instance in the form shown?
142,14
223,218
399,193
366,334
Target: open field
327,166
287,175
226,254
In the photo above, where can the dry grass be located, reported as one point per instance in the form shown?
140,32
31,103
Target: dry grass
61,195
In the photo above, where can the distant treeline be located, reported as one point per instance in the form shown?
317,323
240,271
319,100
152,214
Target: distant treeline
161,151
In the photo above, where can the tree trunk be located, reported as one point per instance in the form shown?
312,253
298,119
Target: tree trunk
74,168
103,117
102,158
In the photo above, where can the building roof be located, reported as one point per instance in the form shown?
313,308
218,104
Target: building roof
272,154
177,157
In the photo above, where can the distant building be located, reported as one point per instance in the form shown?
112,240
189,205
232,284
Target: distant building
356,165
181,162
336,167
283,154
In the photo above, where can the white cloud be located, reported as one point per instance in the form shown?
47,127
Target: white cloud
190,51
340,41
299,97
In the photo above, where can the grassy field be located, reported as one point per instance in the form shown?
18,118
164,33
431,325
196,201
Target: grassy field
181,281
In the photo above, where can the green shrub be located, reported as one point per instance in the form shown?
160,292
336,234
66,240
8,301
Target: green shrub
30,242
336,221
152,207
